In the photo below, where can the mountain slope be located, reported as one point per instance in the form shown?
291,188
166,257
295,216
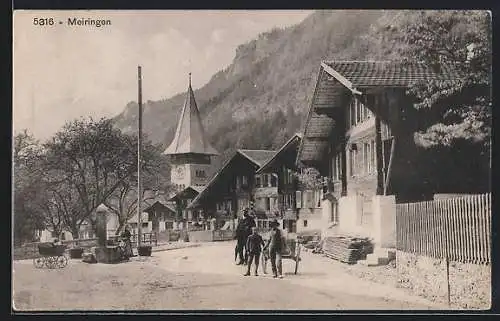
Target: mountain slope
261,99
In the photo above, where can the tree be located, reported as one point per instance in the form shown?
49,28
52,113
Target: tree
27,156
455,110
92,159
123,201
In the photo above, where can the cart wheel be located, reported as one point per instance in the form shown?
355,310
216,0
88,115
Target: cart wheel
52,262
62,261
38,262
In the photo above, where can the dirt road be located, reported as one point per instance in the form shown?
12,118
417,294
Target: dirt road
196,278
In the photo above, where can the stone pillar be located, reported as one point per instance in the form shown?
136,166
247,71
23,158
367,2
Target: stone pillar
326,213
101,226
384,221
350,210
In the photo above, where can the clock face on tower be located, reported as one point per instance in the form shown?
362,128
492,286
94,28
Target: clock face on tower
179,172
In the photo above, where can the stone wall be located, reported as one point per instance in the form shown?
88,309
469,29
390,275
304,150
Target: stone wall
470,284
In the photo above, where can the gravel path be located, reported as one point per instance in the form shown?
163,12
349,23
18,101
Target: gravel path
202,278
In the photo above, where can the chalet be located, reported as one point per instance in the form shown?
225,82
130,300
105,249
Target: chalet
235,185
282,164
191,156
359,132
158,214
185,217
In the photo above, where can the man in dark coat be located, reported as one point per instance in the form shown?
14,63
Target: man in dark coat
275,245
241,236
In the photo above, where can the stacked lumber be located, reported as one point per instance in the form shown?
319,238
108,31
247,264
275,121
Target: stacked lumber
346,249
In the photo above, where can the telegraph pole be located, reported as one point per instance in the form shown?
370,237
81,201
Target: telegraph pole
139,161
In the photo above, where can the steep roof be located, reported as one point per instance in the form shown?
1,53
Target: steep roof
388,73
190,135
189,190
256,157
336,78
293,142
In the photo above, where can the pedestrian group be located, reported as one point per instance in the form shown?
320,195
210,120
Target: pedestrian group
250,245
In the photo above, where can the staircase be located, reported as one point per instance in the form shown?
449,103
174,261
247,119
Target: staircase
380,256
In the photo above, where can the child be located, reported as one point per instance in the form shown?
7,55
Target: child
254,243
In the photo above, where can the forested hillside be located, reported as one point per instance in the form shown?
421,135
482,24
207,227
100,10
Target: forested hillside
260,100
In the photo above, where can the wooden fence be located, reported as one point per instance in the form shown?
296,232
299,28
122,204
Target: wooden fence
458,229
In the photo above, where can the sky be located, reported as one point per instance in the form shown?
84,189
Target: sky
63,72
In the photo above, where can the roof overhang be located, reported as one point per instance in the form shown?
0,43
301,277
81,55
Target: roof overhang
295,139
329,94
184,193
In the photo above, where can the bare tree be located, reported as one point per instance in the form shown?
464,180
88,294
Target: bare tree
92,159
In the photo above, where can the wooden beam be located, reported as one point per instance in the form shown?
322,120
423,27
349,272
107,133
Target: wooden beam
340,78
378,148
389,167
343,169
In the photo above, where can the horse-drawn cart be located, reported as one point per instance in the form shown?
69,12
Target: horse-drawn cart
51,256
291,251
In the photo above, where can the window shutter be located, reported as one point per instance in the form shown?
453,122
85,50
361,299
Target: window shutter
308,200
298,199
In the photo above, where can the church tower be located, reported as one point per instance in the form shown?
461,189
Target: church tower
190,152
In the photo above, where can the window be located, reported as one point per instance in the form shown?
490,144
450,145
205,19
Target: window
257,180
336,167
305,223
358,112
366,157
353,154
317,197
265,180
145,225
352,114
373,153
274,180
268,203
244,180
238,182
298,199
201,174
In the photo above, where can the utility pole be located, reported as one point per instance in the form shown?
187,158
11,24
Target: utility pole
139,161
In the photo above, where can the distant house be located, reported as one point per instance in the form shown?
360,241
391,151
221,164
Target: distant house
359,132
184,217
235,185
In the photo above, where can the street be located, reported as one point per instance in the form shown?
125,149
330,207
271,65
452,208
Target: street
201,278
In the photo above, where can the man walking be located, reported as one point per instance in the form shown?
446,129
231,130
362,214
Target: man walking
254,247
275,245
241,235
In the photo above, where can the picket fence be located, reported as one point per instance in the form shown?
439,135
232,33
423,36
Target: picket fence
458,229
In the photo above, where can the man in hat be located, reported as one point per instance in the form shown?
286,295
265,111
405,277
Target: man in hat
241,238
275,246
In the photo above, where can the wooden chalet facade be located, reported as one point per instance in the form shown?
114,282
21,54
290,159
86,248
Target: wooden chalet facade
282,165
232,189
184,217
360,133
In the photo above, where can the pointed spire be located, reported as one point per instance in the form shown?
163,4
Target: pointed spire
190,135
